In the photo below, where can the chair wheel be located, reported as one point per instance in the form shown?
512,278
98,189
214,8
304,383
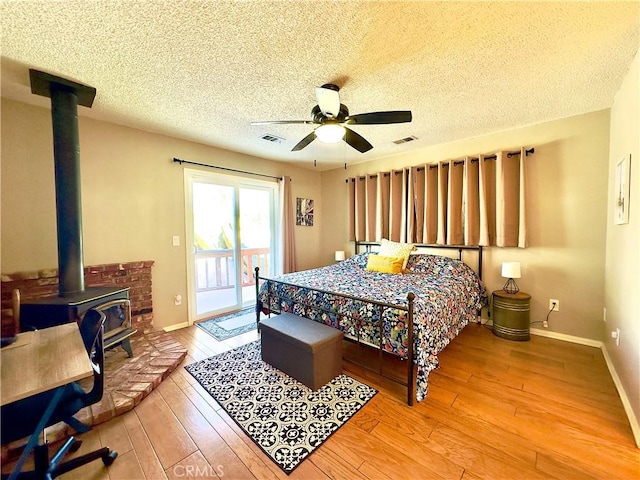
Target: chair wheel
75,445
110,457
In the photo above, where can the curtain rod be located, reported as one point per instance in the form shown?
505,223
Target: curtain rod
177,160
527,152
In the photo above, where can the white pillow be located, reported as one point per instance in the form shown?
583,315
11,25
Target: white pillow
389,248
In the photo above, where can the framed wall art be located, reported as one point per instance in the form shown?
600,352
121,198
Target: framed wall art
304,212
622,189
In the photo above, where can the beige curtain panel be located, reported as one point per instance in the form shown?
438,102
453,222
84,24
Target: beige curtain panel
470,201
382,205
443,196
471,192
455,204
522,216
287,219
351,187
431,205
371,182
487,189
417,203
398,206
361,208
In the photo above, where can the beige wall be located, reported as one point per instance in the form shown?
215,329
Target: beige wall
567,198
130,183
622,272
132,199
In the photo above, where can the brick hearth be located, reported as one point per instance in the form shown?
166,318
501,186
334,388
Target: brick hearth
129,380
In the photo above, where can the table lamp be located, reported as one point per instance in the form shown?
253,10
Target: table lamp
339,255
511,270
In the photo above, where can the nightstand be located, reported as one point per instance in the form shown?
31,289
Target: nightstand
511,315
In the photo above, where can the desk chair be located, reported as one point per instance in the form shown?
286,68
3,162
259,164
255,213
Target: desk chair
21,419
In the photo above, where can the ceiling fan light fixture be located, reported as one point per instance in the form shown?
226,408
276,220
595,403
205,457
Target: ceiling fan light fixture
330,132
329,116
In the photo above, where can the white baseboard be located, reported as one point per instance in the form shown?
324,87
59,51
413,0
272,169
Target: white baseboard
177,326
566,338
633,421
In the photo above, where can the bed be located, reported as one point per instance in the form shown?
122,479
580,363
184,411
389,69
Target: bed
412,315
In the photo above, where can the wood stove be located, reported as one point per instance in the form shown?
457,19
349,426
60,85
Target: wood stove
55,310
73,299
117,325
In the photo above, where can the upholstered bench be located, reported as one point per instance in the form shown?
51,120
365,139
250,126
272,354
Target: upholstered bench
308,351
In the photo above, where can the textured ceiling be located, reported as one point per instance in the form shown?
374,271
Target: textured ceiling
203,70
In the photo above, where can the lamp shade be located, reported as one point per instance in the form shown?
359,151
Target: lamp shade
511,269
339,255
330,132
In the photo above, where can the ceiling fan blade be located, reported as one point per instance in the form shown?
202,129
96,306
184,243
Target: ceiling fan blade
378,118
356,140
282,122
328,99
304,142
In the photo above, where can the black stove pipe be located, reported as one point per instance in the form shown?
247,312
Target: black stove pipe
66,153
65,97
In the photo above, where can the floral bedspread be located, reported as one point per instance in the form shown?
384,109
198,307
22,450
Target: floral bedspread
448,294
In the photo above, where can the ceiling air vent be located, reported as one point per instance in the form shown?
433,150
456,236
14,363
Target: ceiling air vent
405,140
272,138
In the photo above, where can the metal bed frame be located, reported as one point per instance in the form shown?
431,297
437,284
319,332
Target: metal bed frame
368,246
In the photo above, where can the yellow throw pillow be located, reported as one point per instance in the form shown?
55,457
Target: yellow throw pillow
378,263
396,249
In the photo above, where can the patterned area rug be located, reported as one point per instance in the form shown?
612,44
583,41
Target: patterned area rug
286,419
230,325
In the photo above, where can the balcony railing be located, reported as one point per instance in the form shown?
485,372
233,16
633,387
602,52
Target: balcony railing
216,269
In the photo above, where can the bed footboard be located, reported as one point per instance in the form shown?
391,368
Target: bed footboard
381,306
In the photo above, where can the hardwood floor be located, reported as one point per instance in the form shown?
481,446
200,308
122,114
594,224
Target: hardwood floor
496,409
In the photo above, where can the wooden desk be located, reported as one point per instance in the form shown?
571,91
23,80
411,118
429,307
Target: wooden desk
41,360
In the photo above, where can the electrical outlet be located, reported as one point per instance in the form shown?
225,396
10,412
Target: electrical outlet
176,240
554,305
616,334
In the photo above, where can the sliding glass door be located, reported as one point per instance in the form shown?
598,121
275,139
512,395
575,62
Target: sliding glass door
231,230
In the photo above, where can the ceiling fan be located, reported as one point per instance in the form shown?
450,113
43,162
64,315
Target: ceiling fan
331,116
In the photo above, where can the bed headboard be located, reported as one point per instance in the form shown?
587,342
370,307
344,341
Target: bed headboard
469,254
